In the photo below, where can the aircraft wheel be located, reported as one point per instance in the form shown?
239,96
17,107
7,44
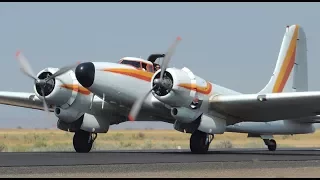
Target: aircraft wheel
272,145
82,141
199,142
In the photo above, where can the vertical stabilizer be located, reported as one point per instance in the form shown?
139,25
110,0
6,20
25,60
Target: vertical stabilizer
291,71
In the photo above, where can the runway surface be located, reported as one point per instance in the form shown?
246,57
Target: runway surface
155,156
142,161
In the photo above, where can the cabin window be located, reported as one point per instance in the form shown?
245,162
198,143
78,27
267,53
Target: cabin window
144,66
132,63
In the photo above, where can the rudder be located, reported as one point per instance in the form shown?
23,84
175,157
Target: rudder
291,71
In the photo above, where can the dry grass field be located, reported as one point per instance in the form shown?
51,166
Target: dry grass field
22,140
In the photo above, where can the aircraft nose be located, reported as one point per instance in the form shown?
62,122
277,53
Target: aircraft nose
85,73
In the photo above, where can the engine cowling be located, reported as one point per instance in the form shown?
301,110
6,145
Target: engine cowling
187,89
63,94
55,91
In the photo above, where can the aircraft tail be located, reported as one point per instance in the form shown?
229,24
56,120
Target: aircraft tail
291,71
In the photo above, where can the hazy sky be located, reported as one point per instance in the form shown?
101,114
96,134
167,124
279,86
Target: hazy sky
232,44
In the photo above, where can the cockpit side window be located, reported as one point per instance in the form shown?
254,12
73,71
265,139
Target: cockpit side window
150,68
132,63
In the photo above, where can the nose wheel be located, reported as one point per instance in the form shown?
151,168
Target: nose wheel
83,141
200,142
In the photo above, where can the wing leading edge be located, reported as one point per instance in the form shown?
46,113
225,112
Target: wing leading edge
21,99
268,107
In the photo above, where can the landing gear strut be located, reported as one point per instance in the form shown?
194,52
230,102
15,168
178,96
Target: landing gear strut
271,143
83,141
200,142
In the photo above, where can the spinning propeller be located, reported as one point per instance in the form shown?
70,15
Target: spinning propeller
159,82
27,70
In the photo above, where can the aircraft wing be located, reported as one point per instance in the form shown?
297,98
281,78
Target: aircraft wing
267,107
21,99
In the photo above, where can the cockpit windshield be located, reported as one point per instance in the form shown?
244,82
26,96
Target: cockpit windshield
132,63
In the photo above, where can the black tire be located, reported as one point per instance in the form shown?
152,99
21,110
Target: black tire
80,142
197,143
272,146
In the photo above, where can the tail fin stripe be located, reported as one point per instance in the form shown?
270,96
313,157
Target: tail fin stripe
287,64
285,74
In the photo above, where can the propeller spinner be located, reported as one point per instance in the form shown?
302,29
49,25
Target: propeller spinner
160,82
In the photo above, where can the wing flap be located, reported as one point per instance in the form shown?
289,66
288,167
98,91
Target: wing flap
21,99
268,107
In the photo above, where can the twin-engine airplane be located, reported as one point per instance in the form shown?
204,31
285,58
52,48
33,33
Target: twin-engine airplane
89,97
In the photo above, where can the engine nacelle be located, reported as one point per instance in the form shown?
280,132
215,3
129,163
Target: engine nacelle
187,89
67,115
95,124
86,122
57,91
185,115
212,125
64,92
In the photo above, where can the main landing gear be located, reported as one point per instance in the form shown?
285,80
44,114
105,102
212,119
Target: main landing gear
200,142
83,141
271,143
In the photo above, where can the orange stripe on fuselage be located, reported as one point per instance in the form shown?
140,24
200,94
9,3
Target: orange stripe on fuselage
143,75
147,76
199,89
287,64
75,87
